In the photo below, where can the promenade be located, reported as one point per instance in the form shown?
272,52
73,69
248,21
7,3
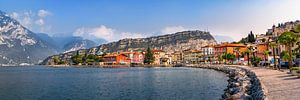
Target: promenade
278,85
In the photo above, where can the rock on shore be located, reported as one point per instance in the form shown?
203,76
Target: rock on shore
243,84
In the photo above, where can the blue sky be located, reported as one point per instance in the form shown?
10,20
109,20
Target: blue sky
117,19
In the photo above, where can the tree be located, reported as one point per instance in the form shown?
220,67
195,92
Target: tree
266,54
255,61
149,58
297,31
91,59
56,59
288,39
251,37
77,59
228,57
273,45
285,55
247,52
238,51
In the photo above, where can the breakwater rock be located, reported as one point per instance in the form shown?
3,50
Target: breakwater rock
243,84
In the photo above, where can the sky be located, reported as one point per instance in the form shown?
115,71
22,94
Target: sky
117,19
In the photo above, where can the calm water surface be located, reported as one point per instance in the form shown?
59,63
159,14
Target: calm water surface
46,83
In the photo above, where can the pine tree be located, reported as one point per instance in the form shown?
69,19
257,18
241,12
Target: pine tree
149,58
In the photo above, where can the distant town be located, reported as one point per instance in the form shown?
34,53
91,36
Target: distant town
278,47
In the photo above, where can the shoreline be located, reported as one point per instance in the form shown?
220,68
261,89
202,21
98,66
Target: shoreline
243,84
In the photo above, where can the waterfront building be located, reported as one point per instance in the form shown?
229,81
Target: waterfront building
191,56
208,53
176,57
135,57
232,48
116,59
138,58
158,54
166,60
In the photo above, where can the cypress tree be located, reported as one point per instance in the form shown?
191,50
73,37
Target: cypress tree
149,58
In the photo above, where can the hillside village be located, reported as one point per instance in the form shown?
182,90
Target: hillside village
278,46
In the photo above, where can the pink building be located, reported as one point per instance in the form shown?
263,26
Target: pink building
138,58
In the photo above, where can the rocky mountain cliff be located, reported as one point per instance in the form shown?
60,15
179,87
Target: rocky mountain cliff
170,42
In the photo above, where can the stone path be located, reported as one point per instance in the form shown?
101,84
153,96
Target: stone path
278,85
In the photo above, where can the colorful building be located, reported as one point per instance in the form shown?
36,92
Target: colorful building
138,58
192,56
158,54
176,57
135,57
116,59
208,53
232,48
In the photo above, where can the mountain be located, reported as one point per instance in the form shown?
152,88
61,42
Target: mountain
78,44
170,42
18,45
67,43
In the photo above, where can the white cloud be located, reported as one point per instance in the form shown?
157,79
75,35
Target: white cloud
14,15
173,29
104,32
40,22
43,13
34,21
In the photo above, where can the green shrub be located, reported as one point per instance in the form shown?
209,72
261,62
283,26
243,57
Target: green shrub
255,61
298,71
294,68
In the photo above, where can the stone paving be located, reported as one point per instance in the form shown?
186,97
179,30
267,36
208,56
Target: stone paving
279,85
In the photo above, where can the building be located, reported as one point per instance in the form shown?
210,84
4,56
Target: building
208,53
158,54
116,59
176,57
261,51
138,58
166,60
135,57
192,56
232,48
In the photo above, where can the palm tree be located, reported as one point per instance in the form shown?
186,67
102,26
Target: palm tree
288,39
237,50
247,52
297,31
266,54
273,45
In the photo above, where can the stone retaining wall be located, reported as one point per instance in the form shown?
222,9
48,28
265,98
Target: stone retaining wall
243,84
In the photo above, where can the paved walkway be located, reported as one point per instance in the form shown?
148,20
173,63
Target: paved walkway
278,85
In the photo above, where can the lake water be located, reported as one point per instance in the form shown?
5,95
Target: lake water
47,83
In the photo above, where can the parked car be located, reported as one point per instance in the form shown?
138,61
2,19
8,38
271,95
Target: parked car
297,62
284,64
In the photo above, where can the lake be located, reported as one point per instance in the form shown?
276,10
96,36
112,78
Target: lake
47,83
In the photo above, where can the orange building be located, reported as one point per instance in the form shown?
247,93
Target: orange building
232,48
116,59
260,50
